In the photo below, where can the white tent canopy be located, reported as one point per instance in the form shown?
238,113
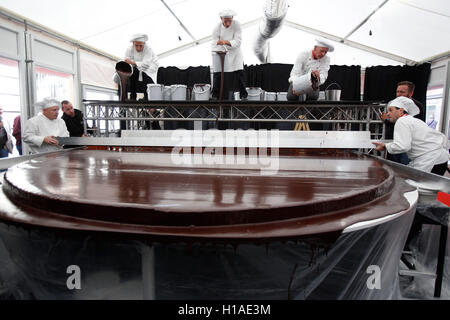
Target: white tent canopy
398,31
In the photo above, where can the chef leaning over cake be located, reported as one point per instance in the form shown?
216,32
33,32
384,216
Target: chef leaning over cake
310,71
426,147
41,131
227,36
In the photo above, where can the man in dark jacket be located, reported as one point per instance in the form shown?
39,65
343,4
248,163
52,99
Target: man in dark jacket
404,89
74,119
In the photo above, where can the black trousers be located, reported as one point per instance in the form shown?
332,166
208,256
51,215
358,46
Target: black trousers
134,85
233,81
440,168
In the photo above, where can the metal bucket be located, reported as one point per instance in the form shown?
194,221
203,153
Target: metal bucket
282,96
201,92
321,95
178,92
254,94
333,95
166,93
155,92
270,96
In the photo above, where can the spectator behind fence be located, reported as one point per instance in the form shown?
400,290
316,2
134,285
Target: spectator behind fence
6,146
17,133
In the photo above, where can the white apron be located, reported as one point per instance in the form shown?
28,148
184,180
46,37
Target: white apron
234,59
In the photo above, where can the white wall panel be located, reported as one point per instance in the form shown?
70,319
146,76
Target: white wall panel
48,55
9,43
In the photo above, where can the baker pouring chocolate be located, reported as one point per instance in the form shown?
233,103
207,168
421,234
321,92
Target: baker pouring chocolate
310,71
145,65
227,36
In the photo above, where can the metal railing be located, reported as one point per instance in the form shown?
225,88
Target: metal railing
107,118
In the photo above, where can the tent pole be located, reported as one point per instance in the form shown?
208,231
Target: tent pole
350,43
201,41
181,23
365,20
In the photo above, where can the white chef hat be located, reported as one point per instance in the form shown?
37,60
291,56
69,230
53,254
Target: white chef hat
227,13
139,37
47,103
324,43
405,103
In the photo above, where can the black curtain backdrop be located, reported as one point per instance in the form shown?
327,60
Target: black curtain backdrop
273,77
349,80
381,81
190,76
230,85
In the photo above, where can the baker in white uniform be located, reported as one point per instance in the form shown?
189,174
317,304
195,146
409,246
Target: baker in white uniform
310,71
145,65
227,36
40,132
427,148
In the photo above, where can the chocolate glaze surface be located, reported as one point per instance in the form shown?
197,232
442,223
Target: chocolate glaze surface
144,193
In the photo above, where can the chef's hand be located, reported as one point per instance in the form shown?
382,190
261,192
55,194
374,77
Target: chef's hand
317,73
129,61
84,135
384,116
380,146
51,141
223,42
1,124
295,92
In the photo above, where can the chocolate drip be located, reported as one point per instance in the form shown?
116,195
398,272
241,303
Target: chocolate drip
124,70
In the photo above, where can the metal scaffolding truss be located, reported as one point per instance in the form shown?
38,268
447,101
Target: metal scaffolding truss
105,118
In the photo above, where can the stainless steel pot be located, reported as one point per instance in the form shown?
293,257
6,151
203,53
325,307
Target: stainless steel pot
333,95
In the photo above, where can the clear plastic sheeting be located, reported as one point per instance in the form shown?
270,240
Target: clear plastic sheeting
36,264
424,247
425,251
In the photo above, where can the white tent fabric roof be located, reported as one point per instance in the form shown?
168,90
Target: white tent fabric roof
413,29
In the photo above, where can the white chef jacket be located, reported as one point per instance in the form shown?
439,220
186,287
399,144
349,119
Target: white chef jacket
425,147
39,127
234,59
305,63
146,61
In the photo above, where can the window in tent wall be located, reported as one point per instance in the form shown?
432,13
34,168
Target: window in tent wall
433,116
56,84
103,94
9,93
